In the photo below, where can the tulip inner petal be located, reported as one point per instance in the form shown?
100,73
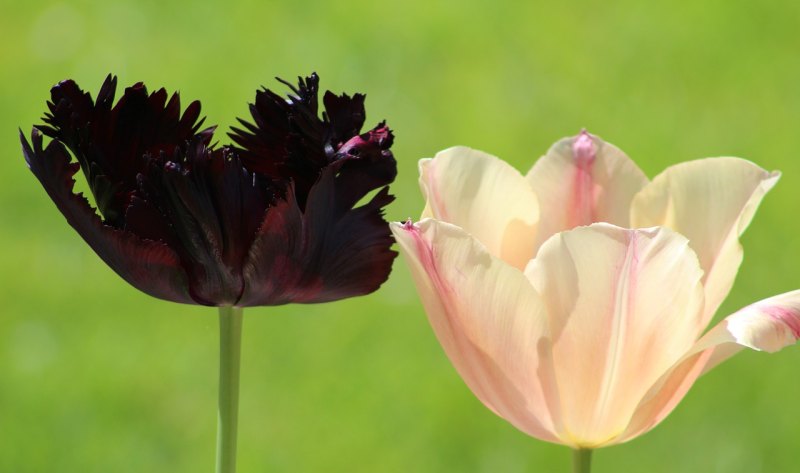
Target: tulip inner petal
583,180
623,306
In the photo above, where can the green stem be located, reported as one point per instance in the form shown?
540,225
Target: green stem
582,460
230,344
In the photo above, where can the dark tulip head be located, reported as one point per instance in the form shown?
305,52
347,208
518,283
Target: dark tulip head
292,212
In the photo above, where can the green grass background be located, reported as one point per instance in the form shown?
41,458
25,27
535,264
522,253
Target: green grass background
96,377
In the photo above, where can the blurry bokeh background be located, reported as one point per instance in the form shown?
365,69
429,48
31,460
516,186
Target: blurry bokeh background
96,377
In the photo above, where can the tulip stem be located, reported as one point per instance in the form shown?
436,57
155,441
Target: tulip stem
582,460
230,343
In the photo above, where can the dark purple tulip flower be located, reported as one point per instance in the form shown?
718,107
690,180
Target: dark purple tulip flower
276,218
292,212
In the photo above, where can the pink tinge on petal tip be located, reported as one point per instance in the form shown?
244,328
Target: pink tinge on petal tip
582,210
787,316
583,149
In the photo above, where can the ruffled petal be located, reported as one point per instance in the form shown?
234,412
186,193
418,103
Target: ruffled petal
286,140
711,202
364,163
486,197
327,252
110,142
582,180
489,320
345,114
768,325
150,266
315,245
623,306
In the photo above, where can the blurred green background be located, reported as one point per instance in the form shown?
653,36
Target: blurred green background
96,377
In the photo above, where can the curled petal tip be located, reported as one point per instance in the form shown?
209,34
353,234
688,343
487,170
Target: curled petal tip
768,325
408,224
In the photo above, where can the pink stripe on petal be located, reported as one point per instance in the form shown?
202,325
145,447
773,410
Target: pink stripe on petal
488,319
623,307
582,180
583,148
582,209
786,315
425,255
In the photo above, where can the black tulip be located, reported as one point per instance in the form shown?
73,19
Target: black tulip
281,216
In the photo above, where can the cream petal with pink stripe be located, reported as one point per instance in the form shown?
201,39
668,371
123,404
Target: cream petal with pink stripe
488,318
582,180
623,306
486,197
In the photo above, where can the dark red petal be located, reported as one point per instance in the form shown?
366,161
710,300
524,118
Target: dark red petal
323,254
150,266
287,139
143,219
273,272
345,114
364,163
215,208
110,142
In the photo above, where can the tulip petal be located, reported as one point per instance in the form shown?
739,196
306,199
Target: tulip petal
621,305
768,325
327,252
711,202
286,139
488,319
289,142
582,180
215,208
150,266
345,114
364,164
110,141
486,197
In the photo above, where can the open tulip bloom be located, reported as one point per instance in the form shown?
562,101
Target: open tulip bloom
273,220
573,301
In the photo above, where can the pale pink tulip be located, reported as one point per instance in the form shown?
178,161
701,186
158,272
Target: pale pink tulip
573,300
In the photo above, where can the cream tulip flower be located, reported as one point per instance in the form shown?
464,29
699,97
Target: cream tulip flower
573,300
